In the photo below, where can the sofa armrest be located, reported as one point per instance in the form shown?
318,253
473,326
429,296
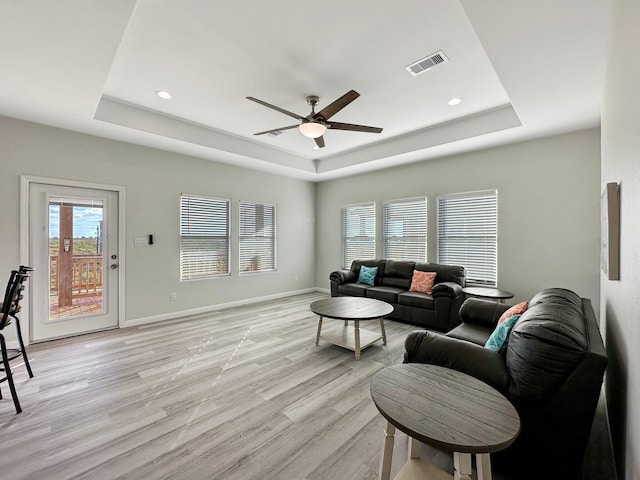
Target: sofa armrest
482,312
446,289
479,362
343,276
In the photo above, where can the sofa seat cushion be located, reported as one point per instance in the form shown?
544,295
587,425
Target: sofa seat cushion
386,294
470,332
416,299
353,289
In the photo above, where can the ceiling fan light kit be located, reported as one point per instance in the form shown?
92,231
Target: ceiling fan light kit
314,125
312,129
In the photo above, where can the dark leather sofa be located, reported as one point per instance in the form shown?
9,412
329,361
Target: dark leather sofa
552,372
438,310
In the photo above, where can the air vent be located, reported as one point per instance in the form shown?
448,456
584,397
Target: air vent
426,63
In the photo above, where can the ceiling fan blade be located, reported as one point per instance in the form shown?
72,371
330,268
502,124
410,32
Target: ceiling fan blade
273,130
281,110
333,108
319,141
352,127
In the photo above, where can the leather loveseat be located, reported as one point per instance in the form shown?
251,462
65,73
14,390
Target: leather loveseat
552,372
437,310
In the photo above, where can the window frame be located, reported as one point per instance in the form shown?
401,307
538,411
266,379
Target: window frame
273,256
186,274
416,203
343,219
476,274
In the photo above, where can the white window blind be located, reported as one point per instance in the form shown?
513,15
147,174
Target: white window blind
257,237
468,234
358,233
405,229
204,237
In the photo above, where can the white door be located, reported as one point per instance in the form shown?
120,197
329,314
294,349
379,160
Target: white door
73,248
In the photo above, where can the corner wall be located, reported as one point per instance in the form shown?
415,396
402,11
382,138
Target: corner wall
620,300
548,209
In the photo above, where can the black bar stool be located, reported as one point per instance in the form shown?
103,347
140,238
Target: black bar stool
10,308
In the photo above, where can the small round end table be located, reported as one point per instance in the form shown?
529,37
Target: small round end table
488,293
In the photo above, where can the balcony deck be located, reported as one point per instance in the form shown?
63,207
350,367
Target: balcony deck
80,306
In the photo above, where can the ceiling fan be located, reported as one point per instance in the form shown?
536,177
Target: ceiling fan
315,124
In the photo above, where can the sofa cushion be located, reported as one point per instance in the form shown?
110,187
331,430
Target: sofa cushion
445,273
471,332
416,299
386,294
356,264
367,275
546,345
353,289
499,339
557,295
397,274
517,309
422,281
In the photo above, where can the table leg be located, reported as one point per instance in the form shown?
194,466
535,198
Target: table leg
357,337
483,466
387,452
461,466
384,334
413,448
319,329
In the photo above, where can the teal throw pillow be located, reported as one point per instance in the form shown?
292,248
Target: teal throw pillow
367,275
499,339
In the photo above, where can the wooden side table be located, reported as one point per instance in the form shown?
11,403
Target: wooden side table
446,409
488,292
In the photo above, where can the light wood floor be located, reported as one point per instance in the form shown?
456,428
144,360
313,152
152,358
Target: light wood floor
238,394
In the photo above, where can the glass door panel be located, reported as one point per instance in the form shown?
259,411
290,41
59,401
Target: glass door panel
75,257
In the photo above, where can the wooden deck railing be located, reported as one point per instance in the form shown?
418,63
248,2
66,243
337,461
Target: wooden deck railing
87,275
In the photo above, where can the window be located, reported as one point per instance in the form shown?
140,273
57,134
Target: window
405,229
204,237
257,237
358,233
468,234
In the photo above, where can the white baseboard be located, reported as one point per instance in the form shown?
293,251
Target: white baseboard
212,308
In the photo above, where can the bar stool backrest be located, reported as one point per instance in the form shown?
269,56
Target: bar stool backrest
13,295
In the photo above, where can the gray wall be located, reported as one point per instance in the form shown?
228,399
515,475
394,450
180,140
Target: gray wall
620,301
548,209
153,180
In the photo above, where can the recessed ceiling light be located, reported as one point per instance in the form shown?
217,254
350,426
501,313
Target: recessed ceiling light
455,101
164,94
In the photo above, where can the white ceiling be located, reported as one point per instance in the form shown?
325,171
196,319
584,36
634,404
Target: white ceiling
523,69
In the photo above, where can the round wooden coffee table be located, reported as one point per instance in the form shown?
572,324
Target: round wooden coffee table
356,309
446,409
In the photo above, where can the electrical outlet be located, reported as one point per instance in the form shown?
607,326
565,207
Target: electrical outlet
172,296
141,241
